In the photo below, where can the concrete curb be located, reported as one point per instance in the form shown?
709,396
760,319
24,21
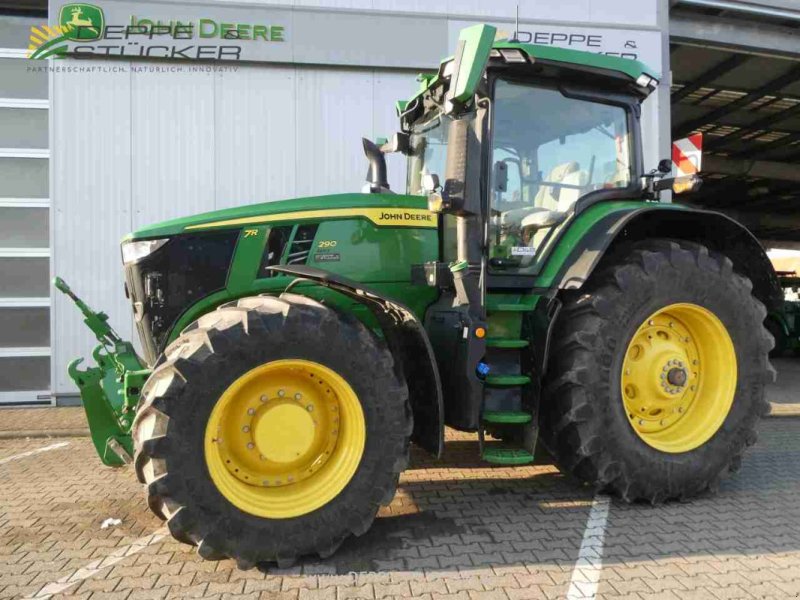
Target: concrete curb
43,433
784,410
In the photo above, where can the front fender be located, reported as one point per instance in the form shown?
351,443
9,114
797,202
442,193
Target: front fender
409,344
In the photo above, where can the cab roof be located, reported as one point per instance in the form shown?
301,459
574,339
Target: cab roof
635,72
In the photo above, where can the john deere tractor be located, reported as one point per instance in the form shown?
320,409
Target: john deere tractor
527,286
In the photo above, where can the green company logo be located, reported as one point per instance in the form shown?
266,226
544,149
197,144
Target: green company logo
142,38
81,22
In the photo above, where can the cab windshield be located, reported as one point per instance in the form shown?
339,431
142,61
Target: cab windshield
547,152
428,150
428,156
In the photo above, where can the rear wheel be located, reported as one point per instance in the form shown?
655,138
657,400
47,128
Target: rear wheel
272,428
656,381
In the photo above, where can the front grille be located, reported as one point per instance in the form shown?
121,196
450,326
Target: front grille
164,284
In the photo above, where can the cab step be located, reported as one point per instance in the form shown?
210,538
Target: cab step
506,380
512,417
508,343
495,305
507,456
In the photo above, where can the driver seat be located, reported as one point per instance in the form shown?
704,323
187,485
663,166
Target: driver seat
548,195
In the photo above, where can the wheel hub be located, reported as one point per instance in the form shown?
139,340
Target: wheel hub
284,432
680,360
677,377
657,387
285,438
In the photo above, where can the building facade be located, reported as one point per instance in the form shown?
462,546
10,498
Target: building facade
142,131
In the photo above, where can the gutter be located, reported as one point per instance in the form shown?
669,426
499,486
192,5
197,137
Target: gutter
748,9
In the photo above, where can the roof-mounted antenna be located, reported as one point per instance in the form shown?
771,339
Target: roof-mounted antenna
514,37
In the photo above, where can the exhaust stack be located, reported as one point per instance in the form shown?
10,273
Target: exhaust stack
376,175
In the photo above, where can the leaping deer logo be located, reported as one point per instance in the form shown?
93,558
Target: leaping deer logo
77,21
82,22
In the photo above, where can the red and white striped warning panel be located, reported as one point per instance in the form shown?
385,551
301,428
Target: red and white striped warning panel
687,155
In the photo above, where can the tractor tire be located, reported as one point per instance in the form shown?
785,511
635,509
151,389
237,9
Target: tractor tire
657,373
238,397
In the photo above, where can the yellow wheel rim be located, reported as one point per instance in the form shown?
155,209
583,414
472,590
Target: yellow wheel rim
285,438
679,377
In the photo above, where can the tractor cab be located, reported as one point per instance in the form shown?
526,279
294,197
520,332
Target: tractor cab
551,135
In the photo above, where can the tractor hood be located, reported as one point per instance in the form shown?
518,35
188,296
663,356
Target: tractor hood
382,209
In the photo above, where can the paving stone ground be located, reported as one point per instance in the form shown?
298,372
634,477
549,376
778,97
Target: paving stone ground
70,418
456,529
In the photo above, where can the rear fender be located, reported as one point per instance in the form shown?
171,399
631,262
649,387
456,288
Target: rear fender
712,229
409,344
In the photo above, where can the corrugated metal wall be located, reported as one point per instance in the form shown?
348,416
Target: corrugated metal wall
139,146
167,144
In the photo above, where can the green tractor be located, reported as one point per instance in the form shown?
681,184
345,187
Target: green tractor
528,285
783,323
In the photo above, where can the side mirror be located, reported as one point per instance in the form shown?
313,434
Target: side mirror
400,142
430,183
664,166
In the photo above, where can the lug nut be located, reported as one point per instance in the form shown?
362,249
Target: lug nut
281,393
310,408
298,396
263,398
251,411
246,429
250,445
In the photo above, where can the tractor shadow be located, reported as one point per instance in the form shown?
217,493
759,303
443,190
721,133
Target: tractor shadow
460,514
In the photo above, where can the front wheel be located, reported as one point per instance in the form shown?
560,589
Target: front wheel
272,428
656,381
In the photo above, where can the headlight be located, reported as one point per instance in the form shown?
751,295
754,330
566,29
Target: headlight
645,81
136,251
513,56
